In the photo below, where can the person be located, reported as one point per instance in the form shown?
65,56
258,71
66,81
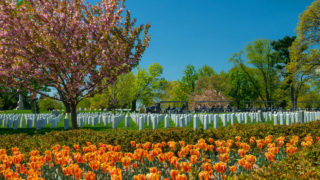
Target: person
198,109
183,107
204,107
212,108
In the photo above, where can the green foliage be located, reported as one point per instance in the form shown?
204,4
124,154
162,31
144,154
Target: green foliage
240,87
281,51
189,78
47,104
205,71
84,103
8,97
219,82
305,164
149,86
1,102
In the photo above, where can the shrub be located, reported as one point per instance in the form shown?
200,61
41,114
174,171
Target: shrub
47,104
305,164
43,140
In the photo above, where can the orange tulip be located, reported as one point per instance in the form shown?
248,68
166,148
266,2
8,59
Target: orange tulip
116,177
250,158
245,146
291,150
238,143
34,153
139,177
67,171
268,139
174,173
153,176
76,147
186,166
126,161
233,169
207,167
224,157
238,138
146,145
89,175
172,145
14,149
161,157
252,140
242,152
204,175
94,165
229,143
273,150
248,165
210,147
153,170
220,167
269,156
182,143
193,159
77,172
211,140
181,177
242,162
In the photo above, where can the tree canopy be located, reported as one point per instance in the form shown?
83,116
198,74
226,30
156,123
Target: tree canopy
76,48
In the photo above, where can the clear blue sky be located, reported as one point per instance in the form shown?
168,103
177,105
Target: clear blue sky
208,32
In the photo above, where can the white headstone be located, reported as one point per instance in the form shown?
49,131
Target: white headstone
195,122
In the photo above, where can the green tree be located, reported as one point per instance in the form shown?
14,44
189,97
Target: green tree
304,52
121,93
205,71
189,78
282,55
305,49
218,82
259,55
241,88
148,85
46,104
85,103
252,75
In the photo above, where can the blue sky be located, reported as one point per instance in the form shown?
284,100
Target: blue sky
208,32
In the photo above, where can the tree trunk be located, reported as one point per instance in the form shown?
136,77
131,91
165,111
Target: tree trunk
67,105
293,102
73,108
133,105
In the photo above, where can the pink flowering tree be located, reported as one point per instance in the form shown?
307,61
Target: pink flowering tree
76,48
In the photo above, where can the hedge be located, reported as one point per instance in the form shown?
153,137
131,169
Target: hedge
42,142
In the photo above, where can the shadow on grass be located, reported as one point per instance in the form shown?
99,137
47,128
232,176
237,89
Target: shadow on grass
34,131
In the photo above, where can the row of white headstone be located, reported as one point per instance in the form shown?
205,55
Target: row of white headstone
183,120
96,118
154,119
38,121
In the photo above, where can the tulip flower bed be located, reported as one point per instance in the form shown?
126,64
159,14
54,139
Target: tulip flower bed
207,159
